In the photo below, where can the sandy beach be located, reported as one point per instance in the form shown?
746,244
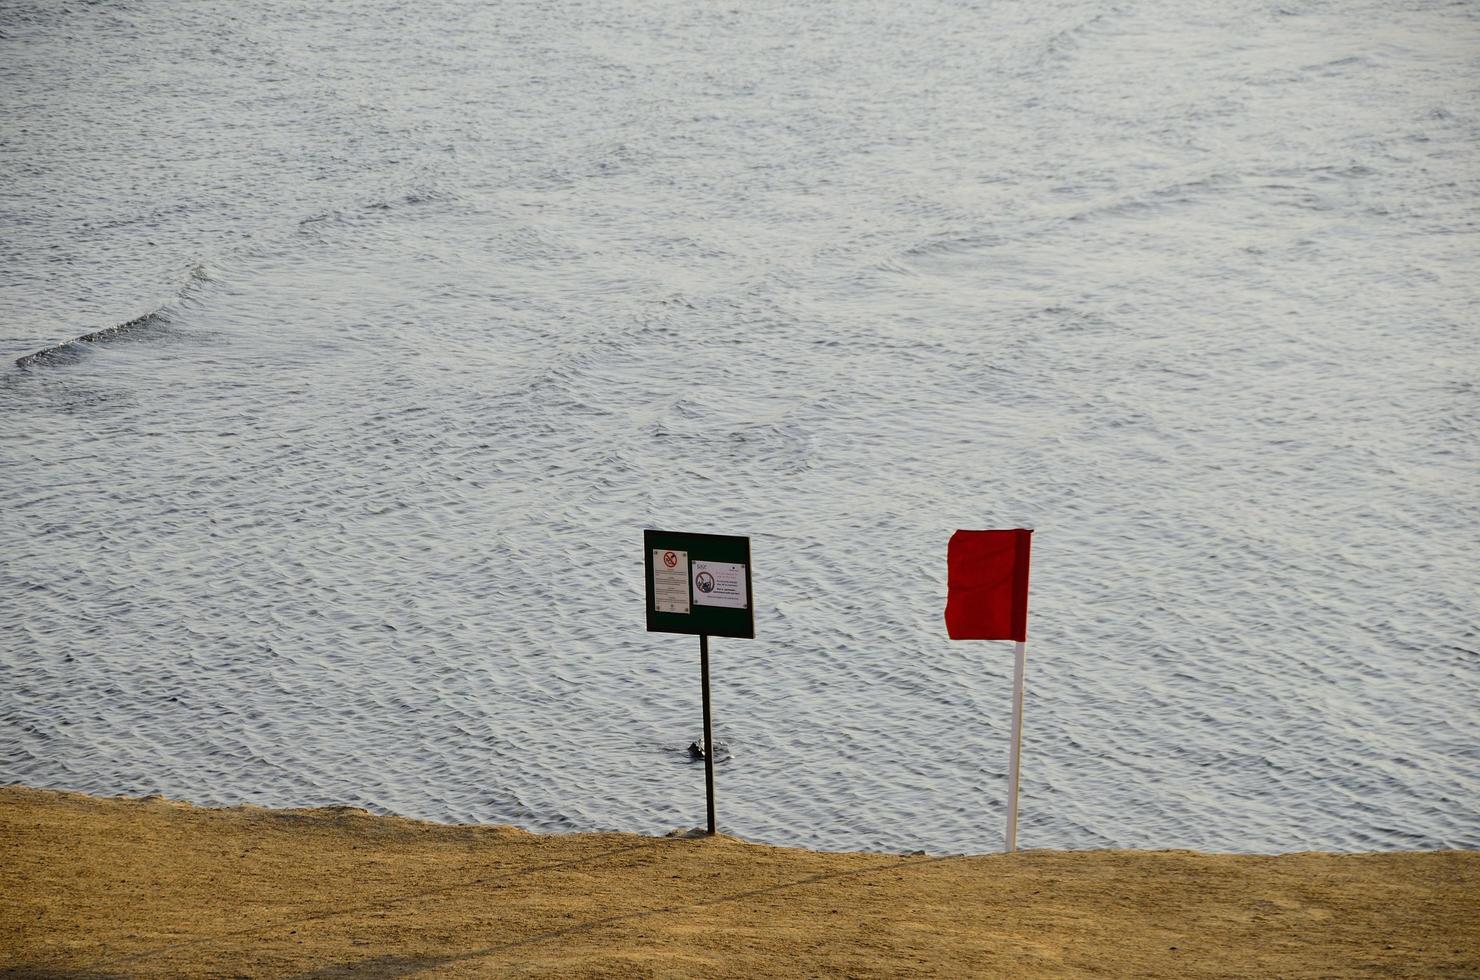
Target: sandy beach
151,887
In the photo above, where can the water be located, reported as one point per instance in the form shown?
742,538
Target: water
458,298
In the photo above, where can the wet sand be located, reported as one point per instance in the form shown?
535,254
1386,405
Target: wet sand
124,887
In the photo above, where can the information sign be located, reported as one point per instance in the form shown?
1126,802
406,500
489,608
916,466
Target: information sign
670,581
698,584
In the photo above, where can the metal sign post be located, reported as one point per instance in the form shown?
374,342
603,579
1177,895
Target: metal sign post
708,737
699,584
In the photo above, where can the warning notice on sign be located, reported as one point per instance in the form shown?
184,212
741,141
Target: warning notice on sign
671,581
718,583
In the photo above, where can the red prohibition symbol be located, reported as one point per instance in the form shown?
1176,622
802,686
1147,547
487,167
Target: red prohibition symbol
670,559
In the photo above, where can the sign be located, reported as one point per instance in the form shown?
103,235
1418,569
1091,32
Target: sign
718,583
671,581
698,584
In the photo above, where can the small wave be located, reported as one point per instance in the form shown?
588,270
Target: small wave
952,244
70,349
357,213
1342,66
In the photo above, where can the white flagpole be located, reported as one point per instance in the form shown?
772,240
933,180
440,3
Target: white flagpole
1021,658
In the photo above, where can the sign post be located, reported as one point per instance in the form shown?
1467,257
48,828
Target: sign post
708,733
987,599
699,584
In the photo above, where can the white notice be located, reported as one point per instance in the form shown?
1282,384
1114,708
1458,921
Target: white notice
718,583
671,581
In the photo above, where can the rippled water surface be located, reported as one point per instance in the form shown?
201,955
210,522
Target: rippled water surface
456,298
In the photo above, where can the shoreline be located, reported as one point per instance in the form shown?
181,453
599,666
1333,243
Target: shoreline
145,887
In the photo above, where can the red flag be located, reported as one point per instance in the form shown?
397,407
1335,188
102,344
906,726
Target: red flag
987,585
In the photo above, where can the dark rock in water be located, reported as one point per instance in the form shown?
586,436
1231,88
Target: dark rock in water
721,752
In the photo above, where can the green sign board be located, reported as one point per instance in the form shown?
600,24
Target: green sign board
698,583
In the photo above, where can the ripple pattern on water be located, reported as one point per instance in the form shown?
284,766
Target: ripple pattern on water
458,299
